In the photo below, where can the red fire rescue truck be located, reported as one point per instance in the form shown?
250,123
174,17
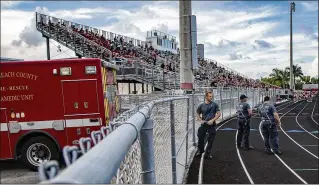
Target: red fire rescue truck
46,105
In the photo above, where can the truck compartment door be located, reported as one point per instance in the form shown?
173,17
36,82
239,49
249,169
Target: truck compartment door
89,97
74,130
71,101
5,150
70,90
90,106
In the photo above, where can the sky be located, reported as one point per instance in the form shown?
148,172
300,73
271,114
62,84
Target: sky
251,37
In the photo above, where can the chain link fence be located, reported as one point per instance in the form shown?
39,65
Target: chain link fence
152,141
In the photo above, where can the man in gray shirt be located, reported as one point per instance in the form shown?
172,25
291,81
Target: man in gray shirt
269,119
207,114
244,113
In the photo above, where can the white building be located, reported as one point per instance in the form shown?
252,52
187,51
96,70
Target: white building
162,41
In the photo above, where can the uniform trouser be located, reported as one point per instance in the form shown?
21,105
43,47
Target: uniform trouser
202,130
269,131
243,129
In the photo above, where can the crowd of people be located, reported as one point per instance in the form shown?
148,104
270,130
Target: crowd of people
219,76
208,71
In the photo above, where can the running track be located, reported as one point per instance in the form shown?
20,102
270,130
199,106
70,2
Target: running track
298,140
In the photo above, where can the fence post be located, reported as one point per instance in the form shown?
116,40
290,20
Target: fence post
119,101
143,74
193,113
173,149
253,98
163,80
230,101
221,103
153,83
147,152
187,128
136,68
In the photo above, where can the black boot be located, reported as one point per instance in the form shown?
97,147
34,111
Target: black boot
268,152
208,156
198,154
240,147
248,148
278,152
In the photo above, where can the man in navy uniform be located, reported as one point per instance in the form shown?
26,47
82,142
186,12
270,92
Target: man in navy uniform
207,113
270,122
244,113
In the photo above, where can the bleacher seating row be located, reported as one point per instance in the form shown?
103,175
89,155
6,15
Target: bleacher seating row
123,51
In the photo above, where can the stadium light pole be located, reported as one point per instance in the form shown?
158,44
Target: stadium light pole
292,9
186,73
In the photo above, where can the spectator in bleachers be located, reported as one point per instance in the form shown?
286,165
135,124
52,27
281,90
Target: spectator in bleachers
120,49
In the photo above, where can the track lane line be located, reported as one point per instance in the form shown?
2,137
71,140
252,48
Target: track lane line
302,126
313,109
200,171
200,180
291,170
293,139
241,160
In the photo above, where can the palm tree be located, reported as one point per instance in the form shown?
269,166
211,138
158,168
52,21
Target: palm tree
281,76
271,80
306,79
298,84
296,70
314,80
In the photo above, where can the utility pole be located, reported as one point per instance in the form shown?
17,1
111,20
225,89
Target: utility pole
186,73
292,85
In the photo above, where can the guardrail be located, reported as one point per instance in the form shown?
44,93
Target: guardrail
152,142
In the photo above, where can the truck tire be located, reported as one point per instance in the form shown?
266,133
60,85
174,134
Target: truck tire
37,150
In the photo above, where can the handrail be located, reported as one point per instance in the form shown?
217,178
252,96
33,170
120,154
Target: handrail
69,29
101,163
95,29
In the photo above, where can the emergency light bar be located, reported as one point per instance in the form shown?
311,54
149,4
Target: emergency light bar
90,69
65,71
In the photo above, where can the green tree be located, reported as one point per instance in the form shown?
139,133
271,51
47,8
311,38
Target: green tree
271,80
306,79
298,84
314,80
296,70
281,76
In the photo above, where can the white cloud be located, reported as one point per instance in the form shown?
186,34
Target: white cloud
12,23
310,6
9,4
314,68
81,13
225,33
19,27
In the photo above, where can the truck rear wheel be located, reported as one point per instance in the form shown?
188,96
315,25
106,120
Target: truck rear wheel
37,150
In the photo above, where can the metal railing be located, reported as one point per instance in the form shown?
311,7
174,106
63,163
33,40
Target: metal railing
161,79
150,74
117,154
151,142
106,34
139,70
